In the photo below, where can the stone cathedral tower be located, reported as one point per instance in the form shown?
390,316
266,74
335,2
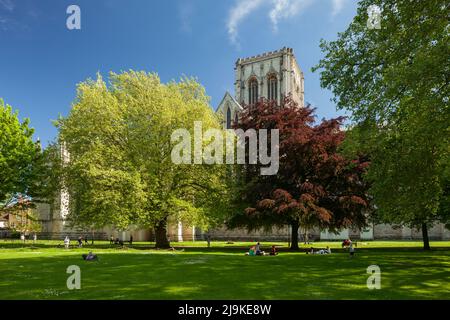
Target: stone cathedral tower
271,75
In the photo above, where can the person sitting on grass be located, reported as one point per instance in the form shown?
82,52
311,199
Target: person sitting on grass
273,251
346,243
251,252
89,257
258,251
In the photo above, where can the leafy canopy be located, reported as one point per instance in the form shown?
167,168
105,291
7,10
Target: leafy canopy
395,82
119,169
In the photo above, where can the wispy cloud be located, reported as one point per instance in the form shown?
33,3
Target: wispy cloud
283,9
7,24
240,11
8,5
338,5
278,10
185,13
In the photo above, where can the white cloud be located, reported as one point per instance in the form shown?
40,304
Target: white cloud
7,5
240,11
278,10
283,9
338,5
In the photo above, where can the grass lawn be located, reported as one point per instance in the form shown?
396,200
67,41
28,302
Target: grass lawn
223,272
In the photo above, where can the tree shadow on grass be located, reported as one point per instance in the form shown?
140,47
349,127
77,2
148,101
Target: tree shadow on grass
195,275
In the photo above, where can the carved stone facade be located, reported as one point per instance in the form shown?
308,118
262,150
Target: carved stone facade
272,75
276,70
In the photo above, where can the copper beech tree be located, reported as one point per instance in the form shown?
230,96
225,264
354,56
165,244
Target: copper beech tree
315,185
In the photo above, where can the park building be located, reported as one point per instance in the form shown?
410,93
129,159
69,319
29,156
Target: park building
272,75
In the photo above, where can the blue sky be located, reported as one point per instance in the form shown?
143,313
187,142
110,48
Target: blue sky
41,61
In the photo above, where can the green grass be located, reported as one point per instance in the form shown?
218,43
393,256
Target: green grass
223,272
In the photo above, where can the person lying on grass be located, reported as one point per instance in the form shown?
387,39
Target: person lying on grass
89,257
174,249
310,251
321,251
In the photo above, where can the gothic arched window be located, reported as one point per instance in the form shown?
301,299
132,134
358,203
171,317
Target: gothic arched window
272,87
228,118
252,91
236,118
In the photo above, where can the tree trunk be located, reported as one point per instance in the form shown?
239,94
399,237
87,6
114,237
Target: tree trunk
294,236
426,240
161,240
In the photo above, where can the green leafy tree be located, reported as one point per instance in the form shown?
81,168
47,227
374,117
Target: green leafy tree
118,167
18,156
395,82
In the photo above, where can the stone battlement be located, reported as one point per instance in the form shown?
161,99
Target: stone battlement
264,55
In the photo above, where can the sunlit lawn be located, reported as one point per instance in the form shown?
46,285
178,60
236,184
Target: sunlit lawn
224,272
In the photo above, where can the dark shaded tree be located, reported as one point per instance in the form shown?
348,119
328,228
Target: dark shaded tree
315,185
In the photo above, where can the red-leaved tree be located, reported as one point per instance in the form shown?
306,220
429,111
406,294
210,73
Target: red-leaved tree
315,185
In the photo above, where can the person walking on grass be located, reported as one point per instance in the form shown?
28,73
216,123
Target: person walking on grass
66,242
351,250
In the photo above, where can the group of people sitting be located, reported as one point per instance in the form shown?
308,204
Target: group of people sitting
256,251
118,241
